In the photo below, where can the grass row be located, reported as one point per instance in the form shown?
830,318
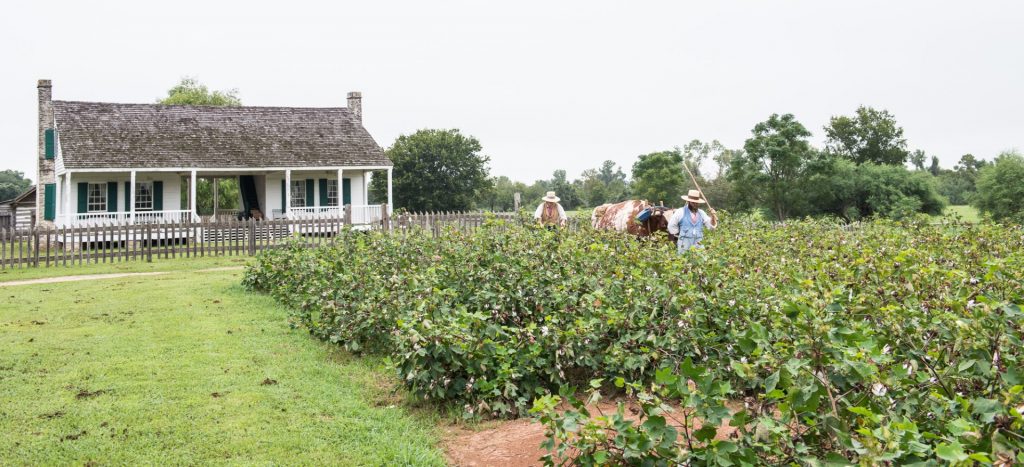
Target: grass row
186,368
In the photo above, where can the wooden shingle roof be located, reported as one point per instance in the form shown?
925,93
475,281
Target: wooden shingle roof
104,135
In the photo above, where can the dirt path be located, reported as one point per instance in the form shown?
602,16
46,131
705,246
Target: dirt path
90,277
516,443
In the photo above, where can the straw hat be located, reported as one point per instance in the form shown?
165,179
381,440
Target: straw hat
693,196
551,198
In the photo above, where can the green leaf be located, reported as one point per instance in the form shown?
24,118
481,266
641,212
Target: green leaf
953,452
771,381
664,376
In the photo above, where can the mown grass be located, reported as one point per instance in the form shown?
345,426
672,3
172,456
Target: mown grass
966,213
187,368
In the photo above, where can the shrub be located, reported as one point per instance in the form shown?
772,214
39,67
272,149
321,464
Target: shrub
1001,188
886,342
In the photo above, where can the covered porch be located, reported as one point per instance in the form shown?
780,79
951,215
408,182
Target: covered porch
150,196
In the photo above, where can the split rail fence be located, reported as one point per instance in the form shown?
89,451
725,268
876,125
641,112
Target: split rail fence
114,243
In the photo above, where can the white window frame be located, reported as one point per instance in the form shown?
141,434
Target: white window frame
141,202
298,194
332,193
100,198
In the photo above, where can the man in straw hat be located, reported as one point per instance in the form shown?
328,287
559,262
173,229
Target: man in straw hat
688,222
550,213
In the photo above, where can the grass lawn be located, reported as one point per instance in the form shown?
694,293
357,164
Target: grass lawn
188,368
966,213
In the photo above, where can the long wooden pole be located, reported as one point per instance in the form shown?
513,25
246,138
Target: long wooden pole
687,167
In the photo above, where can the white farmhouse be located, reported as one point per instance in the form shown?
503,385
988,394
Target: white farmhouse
136,163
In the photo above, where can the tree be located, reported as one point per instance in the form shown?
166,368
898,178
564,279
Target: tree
605,184
917,159
191,92
842,188
12,184
934,168
869,136
958,185
770,170
659,176
564,189
435,170
1000,188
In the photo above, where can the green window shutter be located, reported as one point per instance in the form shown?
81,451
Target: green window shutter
309,192
51,142
127,196
49,201
158,196
111,196
83,197
346,191
283,199
323,192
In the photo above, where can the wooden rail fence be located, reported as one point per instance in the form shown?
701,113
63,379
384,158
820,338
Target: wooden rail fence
66,246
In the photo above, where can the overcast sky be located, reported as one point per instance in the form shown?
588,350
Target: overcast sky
543,85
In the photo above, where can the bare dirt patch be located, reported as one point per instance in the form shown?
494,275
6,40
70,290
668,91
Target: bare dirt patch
514,443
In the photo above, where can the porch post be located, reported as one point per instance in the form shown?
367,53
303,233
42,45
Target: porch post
287,192
131,197
67,200
192,196
216,202
390,202
366,185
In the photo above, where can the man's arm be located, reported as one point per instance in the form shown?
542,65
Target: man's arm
711,222
540,209
673,222
561,214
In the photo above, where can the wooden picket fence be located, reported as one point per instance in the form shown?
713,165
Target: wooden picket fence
114,243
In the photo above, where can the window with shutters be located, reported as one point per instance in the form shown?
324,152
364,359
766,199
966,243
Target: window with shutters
144,196
332,192
97,197
298,194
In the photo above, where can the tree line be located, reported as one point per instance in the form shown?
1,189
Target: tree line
864,169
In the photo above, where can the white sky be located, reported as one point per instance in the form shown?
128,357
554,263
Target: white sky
544,85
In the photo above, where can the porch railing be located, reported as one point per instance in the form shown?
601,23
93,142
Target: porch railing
316,212
367,214
140,217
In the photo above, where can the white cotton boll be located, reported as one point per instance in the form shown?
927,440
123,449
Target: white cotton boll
543,330
879,389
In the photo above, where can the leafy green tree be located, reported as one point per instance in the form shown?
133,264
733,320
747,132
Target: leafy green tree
435,170
839,187
566,190
769,172
1000,188
191,92
958,185
500,197
934,168
869,136
12,184
917,159
605,184
659,176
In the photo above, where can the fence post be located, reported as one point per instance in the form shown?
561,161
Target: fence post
35,234
385,218
252,237
149,243
347,220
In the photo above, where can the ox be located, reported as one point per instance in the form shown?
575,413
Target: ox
630,217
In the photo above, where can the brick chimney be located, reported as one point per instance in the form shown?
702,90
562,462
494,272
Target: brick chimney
355,105
44,166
